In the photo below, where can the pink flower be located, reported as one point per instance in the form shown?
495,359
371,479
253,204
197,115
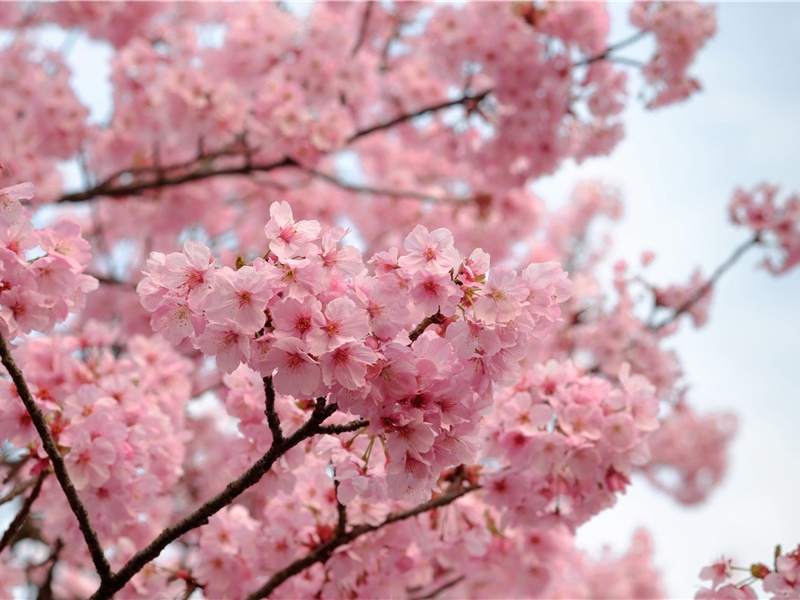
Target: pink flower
347,365
240,296
432,251
502,296
89,459
227,342
292,317
297,373
343,322
288,238
435,292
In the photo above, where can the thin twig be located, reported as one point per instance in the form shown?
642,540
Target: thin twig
322,552
46,589
440,589
19,519
362,30
705,288
18,490
465,99
60,469
612,48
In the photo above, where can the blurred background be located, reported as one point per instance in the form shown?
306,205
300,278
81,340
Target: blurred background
677,168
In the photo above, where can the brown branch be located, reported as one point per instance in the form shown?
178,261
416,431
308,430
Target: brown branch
612,48
423,325
465,99
344,428
203,170
107,189
362,30
272,416
46,589
322,552
19,519
445,586
18,490
705,288
201,515
341,509
60,469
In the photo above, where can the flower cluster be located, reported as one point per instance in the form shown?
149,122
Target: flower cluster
568,443
309,316
775,224
681,29
782,582
41,271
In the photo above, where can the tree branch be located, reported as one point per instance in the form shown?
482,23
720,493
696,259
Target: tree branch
362,30
344,428
60,469
715,277
272,416
202,168
322,552
612,48
465,99
19,519
445,586
161,181
202,514
420,329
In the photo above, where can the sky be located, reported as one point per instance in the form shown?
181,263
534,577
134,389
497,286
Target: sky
677,169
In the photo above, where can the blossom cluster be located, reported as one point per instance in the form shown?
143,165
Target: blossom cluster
116,410
681,29
568,443
41,270
783,581
775,224
308,316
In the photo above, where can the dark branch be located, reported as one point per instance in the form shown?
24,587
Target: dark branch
341,510
162,177
344,428
440,589
420,329
612,48
46,589
322,552
202,514
19,519
466,99
109,189
272,416
362,30
60,469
